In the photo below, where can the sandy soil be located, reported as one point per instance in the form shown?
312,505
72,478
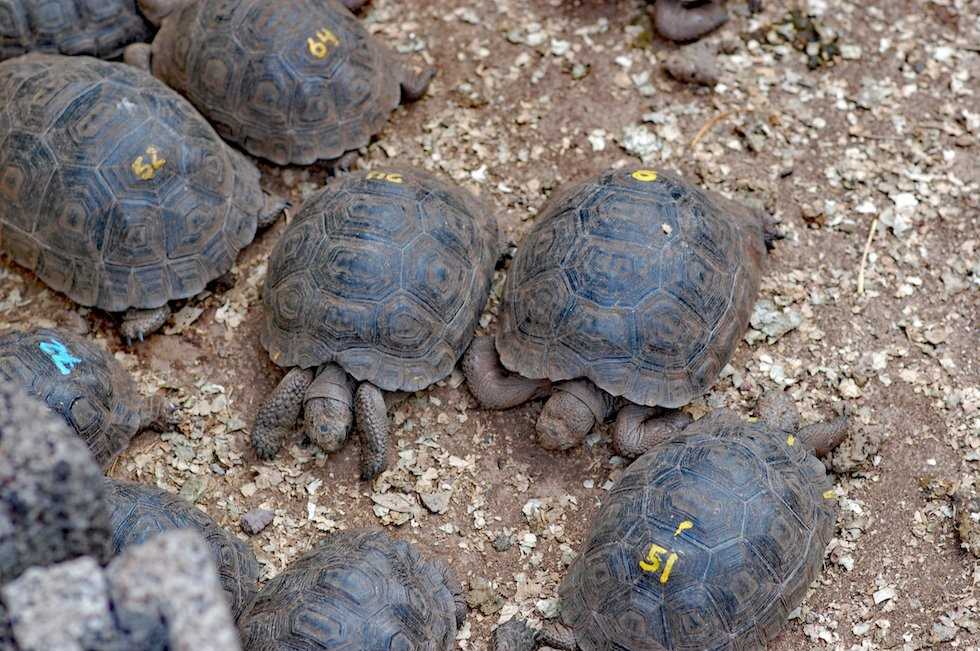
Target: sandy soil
879,136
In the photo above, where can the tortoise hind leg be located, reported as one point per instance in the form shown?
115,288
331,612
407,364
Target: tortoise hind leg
372,427
279,413
640,428
571,413
415,83
139,323
491,384
271,210
329,408
138,55
158,414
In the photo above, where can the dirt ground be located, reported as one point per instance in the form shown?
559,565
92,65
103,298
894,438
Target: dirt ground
859,134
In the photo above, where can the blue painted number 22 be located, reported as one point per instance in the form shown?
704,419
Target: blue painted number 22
60,355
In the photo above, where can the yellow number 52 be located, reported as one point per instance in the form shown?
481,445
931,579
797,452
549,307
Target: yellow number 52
652,562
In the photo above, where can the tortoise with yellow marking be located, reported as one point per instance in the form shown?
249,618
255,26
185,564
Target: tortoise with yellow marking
292,81
115,191
375,288
707,541
632,288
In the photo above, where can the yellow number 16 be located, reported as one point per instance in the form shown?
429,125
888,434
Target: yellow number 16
318,46
652,562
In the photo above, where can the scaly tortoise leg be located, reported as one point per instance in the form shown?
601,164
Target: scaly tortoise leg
137,324
493,386
371,414
571,413
157,414
415,83
271,210
157,10
640,428
138,55
280,412
328,409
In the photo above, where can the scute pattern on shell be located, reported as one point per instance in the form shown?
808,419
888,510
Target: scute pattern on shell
102,28
760,524
247,66
388,279
355,590
140,512
643,287
96,396
73,208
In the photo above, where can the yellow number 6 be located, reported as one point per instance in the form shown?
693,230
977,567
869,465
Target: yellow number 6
317,49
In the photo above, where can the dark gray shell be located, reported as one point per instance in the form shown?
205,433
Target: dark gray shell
761,513
74,208
250,67
634,280
387,278
100,28
79,381
355,590
139,512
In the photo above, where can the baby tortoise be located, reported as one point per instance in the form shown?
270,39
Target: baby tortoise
115,191
707,541
292,81
101,29
52,502
83,384
138,513
358,589
633,287
381,277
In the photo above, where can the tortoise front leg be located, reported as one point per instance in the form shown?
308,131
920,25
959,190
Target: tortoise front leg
516,635
688,20
415,83
137,324
372,427
280,412
640,428
571,413
823,438
329,408
271,210
493,386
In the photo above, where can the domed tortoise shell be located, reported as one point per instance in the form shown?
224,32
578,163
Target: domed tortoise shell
385,273
356,590
113,189
140,512
635,280
100,28
79,381
292,81
707,541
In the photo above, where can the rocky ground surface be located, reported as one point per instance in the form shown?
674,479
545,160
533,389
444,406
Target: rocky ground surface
856,124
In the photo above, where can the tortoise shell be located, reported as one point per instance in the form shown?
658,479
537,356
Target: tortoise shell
707,541
384,273
79,381
635,280
356,590
292,81
139,512
102,28
113,189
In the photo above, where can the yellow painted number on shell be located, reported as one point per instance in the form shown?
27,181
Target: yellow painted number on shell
652,562
790,440
646,176
385,176
145,167
682,527
829,495
318,45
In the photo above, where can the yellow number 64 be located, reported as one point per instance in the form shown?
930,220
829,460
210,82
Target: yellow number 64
652,562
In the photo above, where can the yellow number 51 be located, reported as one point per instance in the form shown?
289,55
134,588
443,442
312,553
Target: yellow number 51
652,562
